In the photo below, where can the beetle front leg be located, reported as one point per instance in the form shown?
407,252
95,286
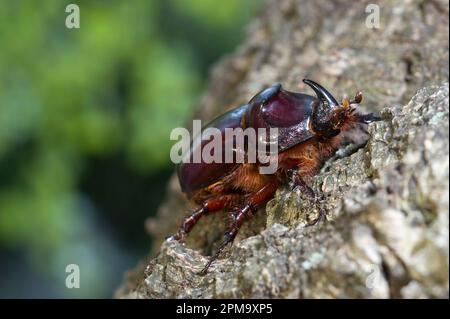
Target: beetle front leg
366,118
297,181
316,197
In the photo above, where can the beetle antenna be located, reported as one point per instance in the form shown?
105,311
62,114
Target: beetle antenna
346,102
358,98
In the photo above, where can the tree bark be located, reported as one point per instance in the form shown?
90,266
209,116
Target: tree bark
386,200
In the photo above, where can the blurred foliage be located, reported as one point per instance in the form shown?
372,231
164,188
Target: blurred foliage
114,87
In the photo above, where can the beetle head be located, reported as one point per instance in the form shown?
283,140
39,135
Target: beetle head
328,117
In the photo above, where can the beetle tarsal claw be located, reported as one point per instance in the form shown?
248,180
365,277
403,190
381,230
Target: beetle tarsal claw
170,238
175,237
368,118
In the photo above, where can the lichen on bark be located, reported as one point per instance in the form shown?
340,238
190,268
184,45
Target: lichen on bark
386,199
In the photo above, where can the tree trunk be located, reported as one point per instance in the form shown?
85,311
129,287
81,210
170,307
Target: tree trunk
387,200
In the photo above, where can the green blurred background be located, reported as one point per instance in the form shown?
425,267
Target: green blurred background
85,117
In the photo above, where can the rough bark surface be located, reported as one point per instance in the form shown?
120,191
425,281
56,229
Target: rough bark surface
387,200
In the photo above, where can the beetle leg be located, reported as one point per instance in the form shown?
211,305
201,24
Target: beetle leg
366,118
315,196
187,224
239,217
254,201
209,206
304,187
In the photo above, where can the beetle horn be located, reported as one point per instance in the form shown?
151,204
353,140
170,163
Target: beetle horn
322,93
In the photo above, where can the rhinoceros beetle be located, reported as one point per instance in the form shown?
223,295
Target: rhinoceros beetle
310,131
